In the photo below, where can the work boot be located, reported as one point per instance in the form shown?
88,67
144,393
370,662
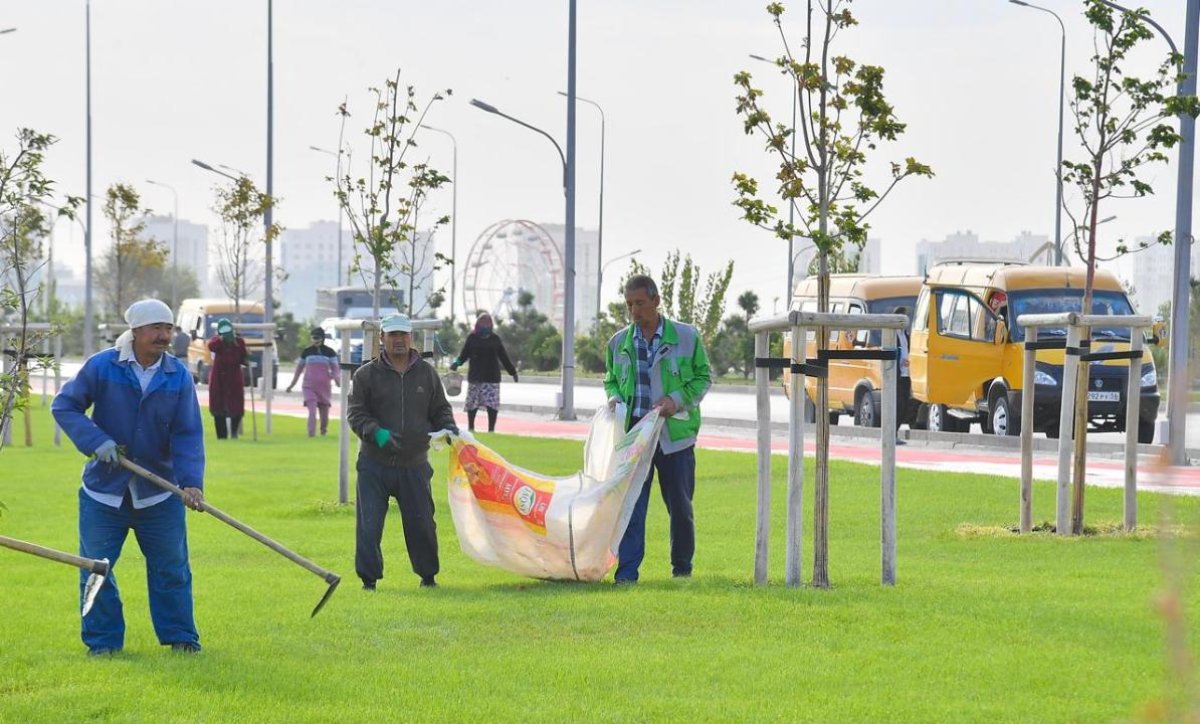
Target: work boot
103,652
428,582
368,585
185,647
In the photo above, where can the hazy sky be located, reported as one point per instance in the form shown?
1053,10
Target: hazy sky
172,80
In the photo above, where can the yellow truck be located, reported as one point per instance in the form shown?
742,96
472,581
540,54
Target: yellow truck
854,385
966,349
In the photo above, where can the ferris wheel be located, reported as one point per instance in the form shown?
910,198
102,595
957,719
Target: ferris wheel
511,256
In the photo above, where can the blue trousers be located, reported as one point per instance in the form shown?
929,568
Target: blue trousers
677,481
161,533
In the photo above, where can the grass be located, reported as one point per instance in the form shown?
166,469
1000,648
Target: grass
982,626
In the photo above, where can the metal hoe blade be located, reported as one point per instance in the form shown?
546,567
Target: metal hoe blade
94,582
333,584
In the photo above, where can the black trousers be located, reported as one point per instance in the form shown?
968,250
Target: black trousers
410,487
234,423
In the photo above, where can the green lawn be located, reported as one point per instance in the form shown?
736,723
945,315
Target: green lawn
979,628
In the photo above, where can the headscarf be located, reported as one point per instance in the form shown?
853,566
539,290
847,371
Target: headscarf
483,324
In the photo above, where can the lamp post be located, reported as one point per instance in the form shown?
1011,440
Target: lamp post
1177,371
453,213
89,320
567,412
207,167
600,279
600,231
268,217
6,31
1062,92
338,276
174,245
791,267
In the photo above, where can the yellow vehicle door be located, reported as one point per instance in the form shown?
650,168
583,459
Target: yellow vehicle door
962,353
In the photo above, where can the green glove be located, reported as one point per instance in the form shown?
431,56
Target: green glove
382,435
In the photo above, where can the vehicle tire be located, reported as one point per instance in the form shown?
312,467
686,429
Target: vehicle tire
936,419
1001,420
833,418
866,409
1052,431
1145,431
920,418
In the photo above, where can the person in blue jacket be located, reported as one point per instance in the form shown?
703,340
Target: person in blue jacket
144,406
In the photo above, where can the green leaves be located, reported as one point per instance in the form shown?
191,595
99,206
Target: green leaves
842,115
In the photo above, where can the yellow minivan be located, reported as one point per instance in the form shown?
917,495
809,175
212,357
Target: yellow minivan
198,318
854,385
966,349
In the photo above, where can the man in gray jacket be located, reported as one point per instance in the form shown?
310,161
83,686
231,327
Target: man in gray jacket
396,400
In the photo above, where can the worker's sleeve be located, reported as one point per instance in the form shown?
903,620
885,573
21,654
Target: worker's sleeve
70,408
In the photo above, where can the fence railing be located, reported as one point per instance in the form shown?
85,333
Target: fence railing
797,323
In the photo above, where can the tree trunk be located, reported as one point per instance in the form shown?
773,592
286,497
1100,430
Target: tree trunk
1081,382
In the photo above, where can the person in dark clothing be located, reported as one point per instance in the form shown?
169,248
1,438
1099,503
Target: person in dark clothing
180,343
484,350
396,400
226,393
904,382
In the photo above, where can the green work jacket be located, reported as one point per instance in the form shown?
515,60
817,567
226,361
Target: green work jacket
679,370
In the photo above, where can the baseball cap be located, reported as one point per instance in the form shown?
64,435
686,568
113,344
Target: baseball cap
395,323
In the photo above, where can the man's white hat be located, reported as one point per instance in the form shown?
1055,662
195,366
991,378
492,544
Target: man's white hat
148,311
395,323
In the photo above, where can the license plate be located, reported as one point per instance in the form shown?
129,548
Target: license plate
1094,396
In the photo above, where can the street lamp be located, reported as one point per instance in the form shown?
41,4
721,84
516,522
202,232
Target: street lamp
6,31
338,156
600,280
791,267
453,213
207,167
1062,85
567,411
600,231
1177,371
174,245
89,320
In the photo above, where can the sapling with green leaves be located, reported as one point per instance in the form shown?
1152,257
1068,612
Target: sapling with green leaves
242,209
1124,126
843,116
131,264
382,204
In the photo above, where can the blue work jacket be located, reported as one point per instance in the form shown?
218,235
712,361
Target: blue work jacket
160,430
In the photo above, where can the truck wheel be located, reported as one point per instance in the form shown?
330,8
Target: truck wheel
937,420
866,412
1003,423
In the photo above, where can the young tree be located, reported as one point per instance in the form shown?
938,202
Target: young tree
843,115
23,189
679,287
531,340
126,269
382,206
1122,125
241,208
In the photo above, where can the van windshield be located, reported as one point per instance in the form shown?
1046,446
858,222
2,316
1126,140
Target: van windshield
1056,301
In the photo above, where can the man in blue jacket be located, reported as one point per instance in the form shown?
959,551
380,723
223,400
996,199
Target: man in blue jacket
144,404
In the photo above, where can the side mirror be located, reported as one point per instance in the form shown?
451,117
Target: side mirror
1001,332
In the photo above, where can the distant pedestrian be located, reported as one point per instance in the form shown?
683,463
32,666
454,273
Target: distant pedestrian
319,365
143,407
485,352
904,382
180,343
396,400
226,388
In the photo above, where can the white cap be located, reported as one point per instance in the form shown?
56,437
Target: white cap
148,311
395,323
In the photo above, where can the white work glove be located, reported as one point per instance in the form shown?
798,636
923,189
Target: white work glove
107,452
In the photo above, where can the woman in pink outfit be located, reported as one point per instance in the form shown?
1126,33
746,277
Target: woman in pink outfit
319,365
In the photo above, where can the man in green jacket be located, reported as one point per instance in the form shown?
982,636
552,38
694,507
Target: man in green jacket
657,363
396,400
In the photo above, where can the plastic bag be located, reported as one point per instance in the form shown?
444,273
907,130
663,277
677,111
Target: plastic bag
452,381
564,528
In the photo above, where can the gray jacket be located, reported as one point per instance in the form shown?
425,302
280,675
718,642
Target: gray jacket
411,404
